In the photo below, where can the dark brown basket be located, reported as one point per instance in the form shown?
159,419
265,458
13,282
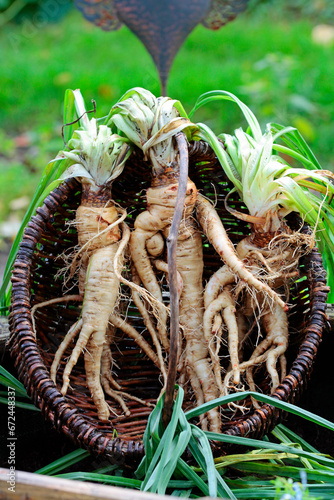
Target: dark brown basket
34,280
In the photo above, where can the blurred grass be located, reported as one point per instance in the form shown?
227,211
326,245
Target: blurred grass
270,63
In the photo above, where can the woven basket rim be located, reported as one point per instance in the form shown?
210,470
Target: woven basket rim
64,417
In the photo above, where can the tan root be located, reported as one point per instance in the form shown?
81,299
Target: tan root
274,267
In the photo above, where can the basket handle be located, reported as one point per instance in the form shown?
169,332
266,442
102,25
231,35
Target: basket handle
172,277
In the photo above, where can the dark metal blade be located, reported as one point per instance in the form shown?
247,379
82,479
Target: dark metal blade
162,26
100,12
222,12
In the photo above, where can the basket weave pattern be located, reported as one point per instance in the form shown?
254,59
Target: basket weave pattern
36,278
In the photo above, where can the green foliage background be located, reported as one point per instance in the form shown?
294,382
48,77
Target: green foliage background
267,56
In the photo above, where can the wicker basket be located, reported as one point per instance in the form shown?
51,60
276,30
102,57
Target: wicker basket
49,235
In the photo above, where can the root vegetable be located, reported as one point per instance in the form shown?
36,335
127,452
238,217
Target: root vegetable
274,345
224,276
155,245
149,325
190,266
223,303
161,202
156,138
270,351
236,268
147,225
217,236
100,297
252,286
274,318
99,301
107,362
163,266
98,157
267,260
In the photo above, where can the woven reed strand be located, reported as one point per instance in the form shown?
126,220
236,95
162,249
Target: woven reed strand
47,236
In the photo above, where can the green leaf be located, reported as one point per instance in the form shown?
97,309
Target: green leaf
232,173
280,448
181,493
191,475
292,137
294,154
8,380
201,450
265,399
104,159
63,462
228,96
181,440
180,108
176,450
46,178
19,404
69,115
285,471
124,482
167,447
152,433
285,435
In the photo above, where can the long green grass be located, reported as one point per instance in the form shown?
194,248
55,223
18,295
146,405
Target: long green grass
284,76
282,463
275,68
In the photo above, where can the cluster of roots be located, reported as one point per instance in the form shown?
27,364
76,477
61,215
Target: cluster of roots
233,330
246,326
232,334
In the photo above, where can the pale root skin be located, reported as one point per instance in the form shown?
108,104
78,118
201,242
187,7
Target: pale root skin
102,246
131,332
101,261
215,232
212,334
215,303
163,266
147,225
92,221
93,355
147,241
242,332
272,347
98,227
270,351
89,221
198,391
224,276
107,380
149,325
229,316
70,336
107,361
224,302
190,266
100,298
244,265
276,266
155,245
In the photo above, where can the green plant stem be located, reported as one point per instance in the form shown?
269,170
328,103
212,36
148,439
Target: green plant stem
12,11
